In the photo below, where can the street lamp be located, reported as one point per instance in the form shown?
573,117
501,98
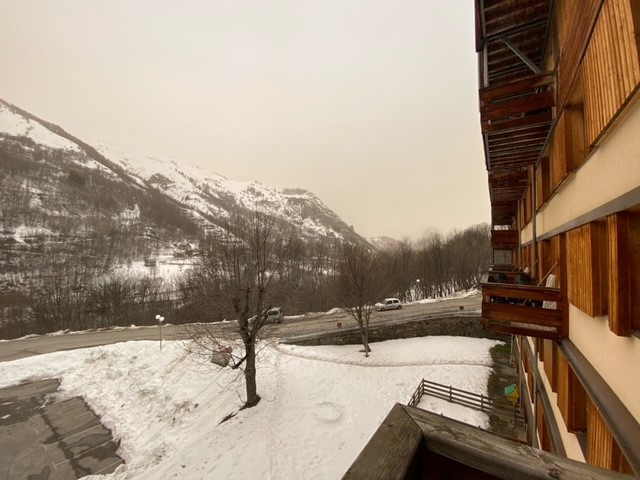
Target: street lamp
160,319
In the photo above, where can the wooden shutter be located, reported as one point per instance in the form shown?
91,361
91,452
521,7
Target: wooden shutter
572,397
611,65
588,268
550,363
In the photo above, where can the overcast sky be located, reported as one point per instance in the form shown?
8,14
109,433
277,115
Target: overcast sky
370,104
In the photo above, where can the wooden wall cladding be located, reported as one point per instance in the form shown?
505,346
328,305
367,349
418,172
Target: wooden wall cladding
543,182
528,211
527,259
599,439
504,239
550,355
564,400
619,274
602,449
588,268
634,262
574,23
546,261
567,144
572,397
611,65
543,429
623,239
556,249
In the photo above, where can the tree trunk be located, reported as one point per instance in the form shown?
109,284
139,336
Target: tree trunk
365,342
250,373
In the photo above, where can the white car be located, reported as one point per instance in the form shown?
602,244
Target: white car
273,315
388,304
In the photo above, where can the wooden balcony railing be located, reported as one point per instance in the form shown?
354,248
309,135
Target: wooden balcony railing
504,239
523,310
502,274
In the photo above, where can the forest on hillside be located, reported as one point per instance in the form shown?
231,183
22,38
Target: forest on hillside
434,266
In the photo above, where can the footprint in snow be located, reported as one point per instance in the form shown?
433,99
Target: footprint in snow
327,412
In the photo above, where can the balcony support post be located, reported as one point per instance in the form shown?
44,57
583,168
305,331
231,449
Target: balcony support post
520,54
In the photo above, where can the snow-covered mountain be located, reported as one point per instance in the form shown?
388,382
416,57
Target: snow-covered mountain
212,196
203,197
383,243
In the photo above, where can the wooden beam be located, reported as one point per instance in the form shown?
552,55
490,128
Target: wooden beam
505,313
504,239
534,81
391,451
515,106
502,458
522,329
524,122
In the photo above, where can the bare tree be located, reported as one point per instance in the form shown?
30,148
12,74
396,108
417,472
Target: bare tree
239,273
357,286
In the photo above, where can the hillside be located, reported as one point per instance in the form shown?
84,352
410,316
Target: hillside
72,213
383,243
209,195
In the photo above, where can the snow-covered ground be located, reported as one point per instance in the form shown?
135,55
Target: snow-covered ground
15,124
320,405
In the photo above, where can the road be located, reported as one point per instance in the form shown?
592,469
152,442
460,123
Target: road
307,324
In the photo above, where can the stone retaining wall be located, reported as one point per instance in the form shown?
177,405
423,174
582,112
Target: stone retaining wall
453,325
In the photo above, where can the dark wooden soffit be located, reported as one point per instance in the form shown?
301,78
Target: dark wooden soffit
516,96
505,188
524,23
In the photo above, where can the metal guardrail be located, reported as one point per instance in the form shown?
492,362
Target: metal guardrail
465,398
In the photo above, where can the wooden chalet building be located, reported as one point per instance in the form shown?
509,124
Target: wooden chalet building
559,84
559,90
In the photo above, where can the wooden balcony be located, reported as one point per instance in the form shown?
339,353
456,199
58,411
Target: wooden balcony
415,444
523,310
504,239
507,273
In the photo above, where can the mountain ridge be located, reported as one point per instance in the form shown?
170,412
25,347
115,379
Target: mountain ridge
206,197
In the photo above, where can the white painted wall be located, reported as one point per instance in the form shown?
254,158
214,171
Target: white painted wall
616,359
611,170
569,440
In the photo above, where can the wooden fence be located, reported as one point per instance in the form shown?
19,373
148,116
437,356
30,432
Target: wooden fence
465,398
